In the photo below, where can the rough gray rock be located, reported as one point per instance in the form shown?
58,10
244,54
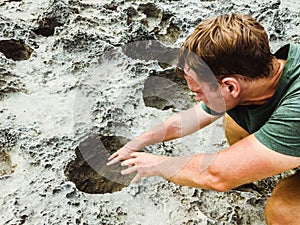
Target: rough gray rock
76,80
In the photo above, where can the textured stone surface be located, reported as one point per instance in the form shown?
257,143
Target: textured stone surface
86,76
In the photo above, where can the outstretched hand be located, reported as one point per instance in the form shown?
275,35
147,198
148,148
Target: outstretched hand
120,155
144,164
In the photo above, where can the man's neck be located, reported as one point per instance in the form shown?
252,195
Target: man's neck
258,92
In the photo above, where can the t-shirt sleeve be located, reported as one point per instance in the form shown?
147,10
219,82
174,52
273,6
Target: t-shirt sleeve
281,132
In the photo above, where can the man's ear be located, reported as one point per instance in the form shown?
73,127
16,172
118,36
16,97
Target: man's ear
231,85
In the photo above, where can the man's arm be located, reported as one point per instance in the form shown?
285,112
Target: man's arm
176,126
246,161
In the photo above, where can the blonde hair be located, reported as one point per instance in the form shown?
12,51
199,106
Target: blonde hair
228,45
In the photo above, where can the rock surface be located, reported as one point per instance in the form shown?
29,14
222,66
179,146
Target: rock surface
73,69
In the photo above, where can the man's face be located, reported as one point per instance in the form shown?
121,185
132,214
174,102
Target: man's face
213,98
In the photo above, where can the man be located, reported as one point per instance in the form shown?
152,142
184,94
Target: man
258,92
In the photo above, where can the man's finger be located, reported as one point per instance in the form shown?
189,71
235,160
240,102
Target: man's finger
128,162
136,178
113,156
113,161
135,154
129,170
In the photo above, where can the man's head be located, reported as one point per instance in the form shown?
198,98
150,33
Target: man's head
229,45
222,52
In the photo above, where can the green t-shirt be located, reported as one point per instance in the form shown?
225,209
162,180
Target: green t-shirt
276,124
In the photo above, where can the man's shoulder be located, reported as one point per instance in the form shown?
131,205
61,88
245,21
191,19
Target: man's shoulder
287,51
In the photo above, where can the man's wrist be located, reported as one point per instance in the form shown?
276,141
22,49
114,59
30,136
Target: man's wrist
136,144
172,166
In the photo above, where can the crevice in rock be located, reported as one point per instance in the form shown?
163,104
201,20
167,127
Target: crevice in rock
171,35
155,20
111,6
170,28
89,171
6,166
150,10
47,27
16,50
131,14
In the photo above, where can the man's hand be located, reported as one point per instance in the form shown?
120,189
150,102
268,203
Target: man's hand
144,164
147,165
122,154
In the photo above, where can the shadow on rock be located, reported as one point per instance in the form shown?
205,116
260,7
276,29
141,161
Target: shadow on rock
166,90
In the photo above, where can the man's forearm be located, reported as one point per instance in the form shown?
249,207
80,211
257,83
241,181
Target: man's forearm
176,126
188,170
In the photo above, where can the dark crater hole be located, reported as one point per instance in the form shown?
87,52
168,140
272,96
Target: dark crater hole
89,171
47,27
15,49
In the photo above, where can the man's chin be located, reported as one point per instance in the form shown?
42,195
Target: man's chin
218,109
